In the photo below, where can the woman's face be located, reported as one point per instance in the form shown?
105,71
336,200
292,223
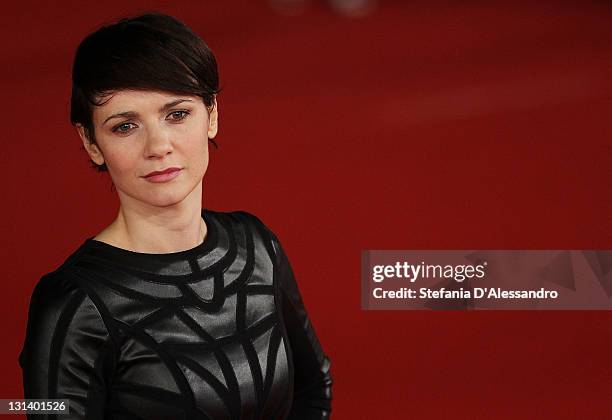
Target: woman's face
138,132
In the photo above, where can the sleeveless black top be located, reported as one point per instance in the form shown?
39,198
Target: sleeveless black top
218,331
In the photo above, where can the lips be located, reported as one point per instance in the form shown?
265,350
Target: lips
165,171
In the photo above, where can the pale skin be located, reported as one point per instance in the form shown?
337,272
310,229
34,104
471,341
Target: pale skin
155,131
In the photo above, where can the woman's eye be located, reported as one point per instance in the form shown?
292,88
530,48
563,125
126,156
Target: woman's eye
123,128
178,115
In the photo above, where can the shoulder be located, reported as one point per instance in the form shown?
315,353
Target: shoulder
55,300
254,224
61,317
245,219
58,288
59,307
54,288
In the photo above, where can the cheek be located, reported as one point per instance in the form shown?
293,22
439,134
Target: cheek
196,147
121,161
199,154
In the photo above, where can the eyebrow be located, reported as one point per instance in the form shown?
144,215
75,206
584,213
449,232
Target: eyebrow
132,114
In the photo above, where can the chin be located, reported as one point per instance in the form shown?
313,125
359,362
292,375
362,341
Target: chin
162,194
164,198
167,199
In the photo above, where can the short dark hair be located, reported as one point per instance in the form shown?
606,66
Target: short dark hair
148,52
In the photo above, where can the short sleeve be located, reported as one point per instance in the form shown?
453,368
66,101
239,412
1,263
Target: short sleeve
68,351
312,376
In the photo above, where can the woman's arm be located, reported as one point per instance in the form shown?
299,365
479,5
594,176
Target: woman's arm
67,349
312,380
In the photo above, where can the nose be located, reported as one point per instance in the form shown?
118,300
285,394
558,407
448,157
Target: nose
158,143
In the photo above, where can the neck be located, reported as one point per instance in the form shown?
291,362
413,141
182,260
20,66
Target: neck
142,227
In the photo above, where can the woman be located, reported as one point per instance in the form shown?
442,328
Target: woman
172,311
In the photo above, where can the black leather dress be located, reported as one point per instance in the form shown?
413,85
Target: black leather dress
218,331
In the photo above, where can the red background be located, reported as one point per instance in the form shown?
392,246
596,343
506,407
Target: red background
425,125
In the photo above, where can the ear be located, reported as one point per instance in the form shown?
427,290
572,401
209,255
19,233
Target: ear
92,149
213,119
